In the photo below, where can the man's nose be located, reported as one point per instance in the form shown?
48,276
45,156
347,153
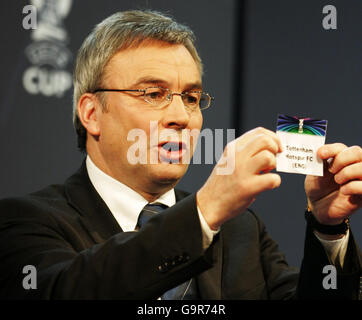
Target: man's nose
175,114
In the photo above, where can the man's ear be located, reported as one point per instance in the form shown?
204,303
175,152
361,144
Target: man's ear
88,111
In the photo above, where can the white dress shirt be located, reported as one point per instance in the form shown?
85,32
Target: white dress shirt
126,204
335,248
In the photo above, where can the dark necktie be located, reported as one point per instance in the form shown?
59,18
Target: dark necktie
186,290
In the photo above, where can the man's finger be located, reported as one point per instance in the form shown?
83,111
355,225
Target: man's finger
265,182
260,143
330,150
263,161
352,188
350,172
346,157
251,134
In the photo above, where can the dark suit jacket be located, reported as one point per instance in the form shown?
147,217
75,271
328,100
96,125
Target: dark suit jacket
80,252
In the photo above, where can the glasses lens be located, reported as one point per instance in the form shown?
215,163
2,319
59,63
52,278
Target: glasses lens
196,99
155,95
204,101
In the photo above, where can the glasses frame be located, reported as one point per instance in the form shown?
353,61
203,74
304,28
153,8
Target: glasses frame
169,96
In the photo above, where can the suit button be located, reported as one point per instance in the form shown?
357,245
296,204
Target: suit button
185,257
163,267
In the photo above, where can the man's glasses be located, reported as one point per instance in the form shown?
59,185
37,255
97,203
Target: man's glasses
160,97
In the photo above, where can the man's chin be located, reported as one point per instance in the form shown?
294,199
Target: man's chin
169,173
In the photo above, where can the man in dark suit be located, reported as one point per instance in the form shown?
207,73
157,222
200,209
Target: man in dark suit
102,234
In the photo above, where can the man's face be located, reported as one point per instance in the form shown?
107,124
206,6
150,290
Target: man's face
152,65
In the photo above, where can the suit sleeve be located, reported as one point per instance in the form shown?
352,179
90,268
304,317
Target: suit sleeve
280,278
312,280
283,281
129,265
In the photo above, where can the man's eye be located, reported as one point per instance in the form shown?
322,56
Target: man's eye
191,99
154,94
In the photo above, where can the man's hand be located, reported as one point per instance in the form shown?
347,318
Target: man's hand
337,194
225,196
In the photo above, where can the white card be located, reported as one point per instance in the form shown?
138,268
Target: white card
300,138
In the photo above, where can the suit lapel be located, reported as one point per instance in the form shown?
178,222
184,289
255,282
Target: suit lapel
209,282
94,213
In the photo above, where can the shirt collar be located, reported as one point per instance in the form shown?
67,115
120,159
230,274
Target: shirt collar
124,203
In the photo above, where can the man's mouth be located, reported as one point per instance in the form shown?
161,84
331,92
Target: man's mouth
171,151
